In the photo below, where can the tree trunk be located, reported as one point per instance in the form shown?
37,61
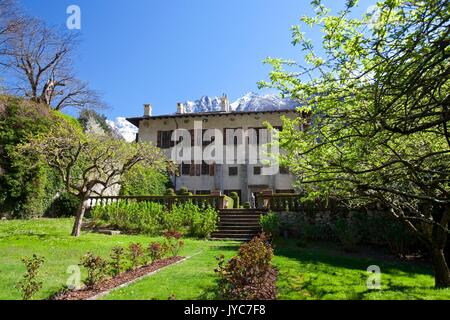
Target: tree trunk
79,219
440,267
439,241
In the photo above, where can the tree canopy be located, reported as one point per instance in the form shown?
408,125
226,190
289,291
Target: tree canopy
376,96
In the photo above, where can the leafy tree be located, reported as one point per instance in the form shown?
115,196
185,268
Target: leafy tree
88,164
144,181
26,189
374,100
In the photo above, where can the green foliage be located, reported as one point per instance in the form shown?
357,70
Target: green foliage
348,233
235,197
183,191
204,222
247,205
270,224
172,242
117,262
140,217
170,192
250,275
153,218
66,205
374,105
89,118
156,251
96,267
144,181
136,255
29,285
27,186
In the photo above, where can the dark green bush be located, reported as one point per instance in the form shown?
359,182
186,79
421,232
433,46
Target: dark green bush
247,205
270,224
66,205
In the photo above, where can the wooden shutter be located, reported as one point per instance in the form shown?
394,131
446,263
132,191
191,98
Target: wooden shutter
158,139
191,169
212,170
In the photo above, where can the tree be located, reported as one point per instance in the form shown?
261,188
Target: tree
375,104
144,181
38,59
88,164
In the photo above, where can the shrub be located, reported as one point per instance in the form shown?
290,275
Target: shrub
170,192
96,267
156,251
136,255
172,242
348,233
66,205
183,191
235,197
116,266
247,205
250,275
270,224
137,217
204,222
29,285
144,181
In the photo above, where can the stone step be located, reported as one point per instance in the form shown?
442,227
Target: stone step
238,237
238,231
235,225
239,217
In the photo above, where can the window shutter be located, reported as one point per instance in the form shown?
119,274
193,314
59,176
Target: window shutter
192,169
198,169
158,138
212,170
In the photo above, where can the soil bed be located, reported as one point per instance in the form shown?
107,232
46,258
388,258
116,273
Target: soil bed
87,293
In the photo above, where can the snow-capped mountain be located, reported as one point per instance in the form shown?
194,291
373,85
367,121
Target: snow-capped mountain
249,102
124,128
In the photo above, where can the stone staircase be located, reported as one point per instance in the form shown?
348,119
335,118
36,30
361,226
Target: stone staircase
238,224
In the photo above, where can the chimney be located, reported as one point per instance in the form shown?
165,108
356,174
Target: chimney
180,108
148,110
225,103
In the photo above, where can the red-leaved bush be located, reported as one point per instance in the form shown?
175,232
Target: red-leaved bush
249,275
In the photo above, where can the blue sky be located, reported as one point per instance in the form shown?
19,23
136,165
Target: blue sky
164,52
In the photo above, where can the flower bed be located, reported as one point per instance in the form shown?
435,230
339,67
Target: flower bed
120,280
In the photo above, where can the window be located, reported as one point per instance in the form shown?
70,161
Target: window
233,171
164,140
257,171
185,169
284,170
205,169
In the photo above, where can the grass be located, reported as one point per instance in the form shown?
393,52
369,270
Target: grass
324,271
50,238
318,271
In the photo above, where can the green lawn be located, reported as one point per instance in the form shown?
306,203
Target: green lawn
319,271
324,271
50,238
